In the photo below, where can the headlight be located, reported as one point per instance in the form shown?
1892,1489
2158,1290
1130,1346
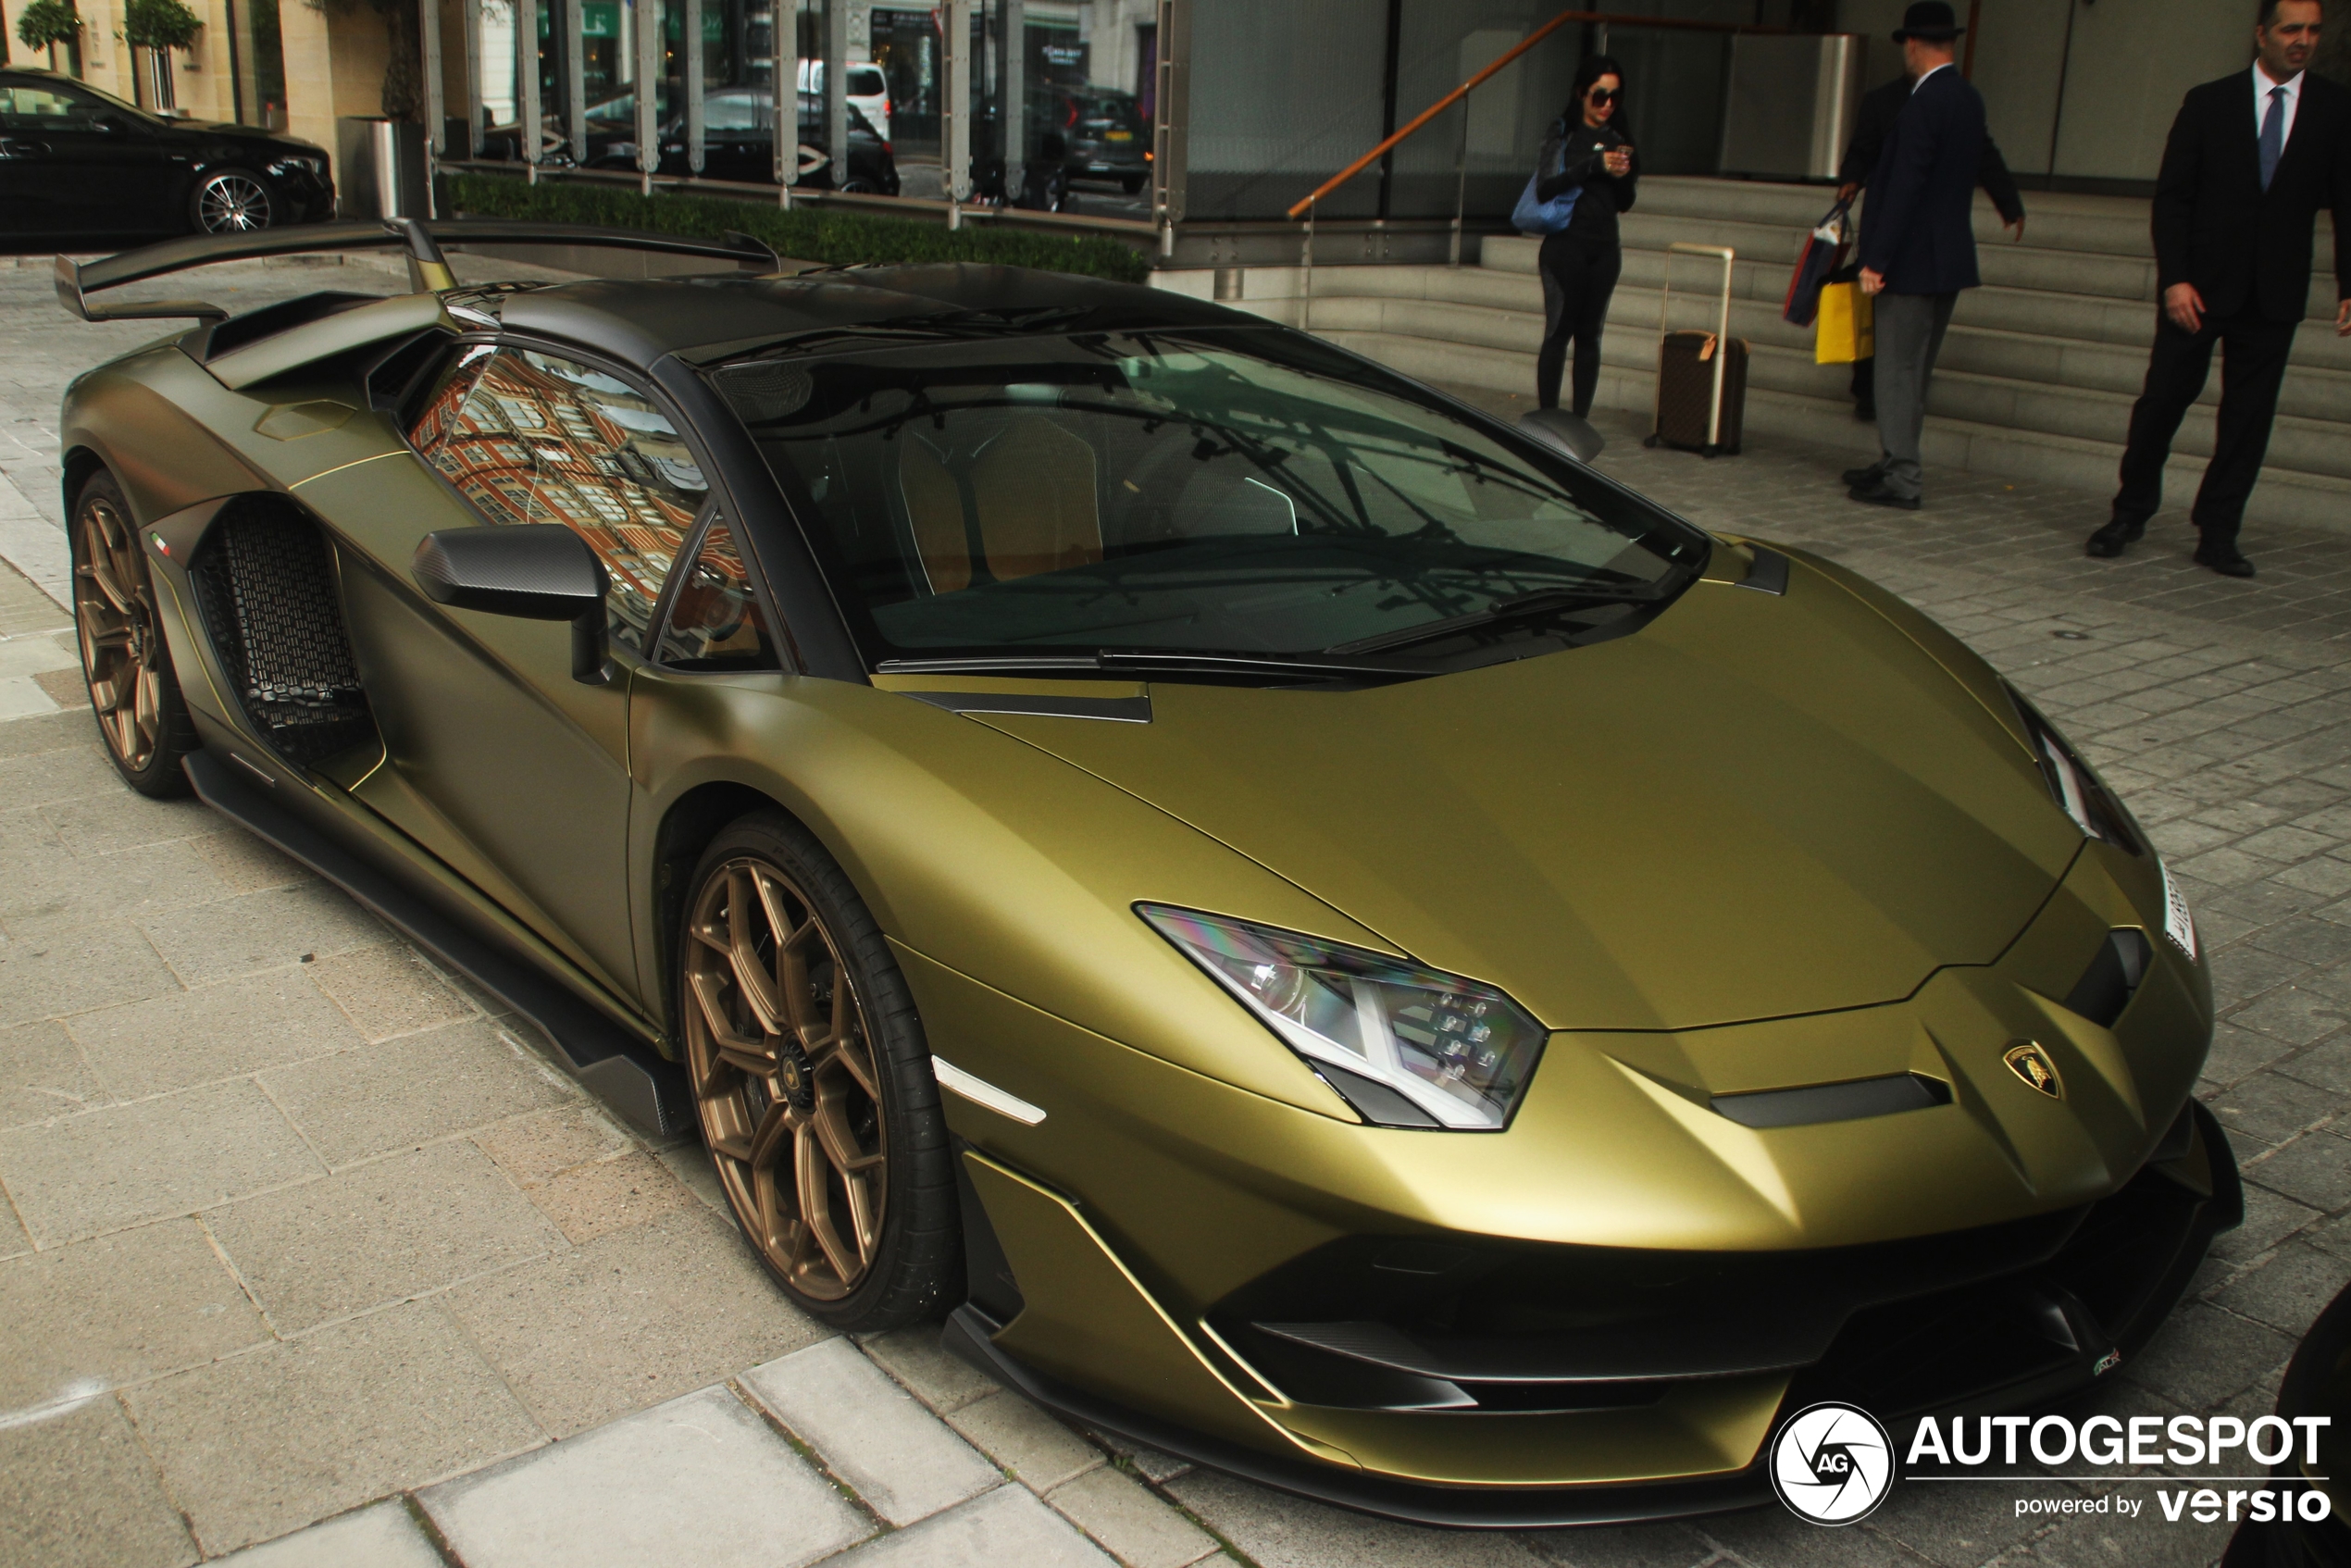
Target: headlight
286,166
1407,1047
2089,802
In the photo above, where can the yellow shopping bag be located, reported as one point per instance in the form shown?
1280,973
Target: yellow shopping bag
1842,332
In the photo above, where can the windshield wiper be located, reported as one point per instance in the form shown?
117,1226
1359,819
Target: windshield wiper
1171,661
1540,604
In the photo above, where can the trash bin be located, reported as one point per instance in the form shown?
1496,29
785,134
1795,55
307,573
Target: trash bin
379,169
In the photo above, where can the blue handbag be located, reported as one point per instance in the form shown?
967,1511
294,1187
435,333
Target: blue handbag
1533,216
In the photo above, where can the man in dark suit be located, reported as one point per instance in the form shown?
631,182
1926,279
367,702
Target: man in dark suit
1879,108
2251,159
1918,243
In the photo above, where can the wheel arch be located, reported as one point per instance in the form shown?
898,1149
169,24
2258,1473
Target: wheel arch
688,826
75,469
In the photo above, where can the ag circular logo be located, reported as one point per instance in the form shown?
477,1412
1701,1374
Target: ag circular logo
1832,1463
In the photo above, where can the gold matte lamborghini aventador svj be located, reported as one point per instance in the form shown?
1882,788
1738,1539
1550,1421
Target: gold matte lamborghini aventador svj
1312,928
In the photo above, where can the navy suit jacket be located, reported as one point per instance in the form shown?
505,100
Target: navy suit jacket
2243,247
1918,230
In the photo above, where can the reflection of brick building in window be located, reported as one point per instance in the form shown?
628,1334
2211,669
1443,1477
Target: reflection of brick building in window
529,439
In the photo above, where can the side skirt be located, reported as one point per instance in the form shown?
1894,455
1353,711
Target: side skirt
625,1073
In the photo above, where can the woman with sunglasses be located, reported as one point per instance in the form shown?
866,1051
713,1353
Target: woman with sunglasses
1581,262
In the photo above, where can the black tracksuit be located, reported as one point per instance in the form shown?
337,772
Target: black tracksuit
1580,262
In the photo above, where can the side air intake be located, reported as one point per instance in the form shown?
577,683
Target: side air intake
2107,986
265,590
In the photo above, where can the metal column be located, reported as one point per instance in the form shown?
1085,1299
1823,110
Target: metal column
428,38
785,28
836,89
692,25
1169,133
529,133
471,14
646,36
957,142
1011,115
575,26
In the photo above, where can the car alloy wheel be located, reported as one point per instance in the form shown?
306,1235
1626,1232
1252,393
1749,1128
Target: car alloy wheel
122,646
232,202
784,1077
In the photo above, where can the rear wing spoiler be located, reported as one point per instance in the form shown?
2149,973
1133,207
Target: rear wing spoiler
421,238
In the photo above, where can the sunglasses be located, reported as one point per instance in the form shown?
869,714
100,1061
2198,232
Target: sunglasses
1601,97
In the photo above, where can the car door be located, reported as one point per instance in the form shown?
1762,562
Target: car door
80,163
489,742
730,124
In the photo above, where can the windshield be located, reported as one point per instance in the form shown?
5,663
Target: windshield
1229,491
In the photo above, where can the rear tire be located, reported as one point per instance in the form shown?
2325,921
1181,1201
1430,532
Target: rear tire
812,1082
232,201
125,662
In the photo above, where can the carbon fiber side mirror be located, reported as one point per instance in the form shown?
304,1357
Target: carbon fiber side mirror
533,571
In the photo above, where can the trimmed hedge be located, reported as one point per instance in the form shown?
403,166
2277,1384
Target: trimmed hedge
831,238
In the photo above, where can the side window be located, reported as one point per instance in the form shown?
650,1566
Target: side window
26,107
716,622
532,438
737,111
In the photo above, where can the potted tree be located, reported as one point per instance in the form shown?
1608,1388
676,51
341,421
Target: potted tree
44,24
158,27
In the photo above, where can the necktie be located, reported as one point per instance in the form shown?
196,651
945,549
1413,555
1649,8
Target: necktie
2272,135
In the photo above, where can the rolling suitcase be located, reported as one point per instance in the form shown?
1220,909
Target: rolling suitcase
1702,376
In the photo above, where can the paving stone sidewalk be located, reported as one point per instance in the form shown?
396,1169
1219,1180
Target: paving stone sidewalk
304,1244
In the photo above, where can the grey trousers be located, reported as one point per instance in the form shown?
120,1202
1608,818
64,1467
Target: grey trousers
1910,334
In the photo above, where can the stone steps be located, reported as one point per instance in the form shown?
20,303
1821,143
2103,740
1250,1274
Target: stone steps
2037,374
1487,311
2283,495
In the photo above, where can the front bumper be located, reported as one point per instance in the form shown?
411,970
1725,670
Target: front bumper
2013,1317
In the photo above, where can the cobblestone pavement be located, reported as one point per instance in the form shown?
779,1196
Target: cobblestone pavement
294,1228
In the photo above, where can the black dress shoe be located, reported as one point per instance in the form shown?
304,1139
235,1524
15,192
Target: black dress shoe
2223,558
1863,478
1876,495
2109,542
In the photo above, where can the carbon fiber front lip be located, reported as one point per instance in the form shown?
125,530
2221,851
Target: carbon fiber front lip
968,1333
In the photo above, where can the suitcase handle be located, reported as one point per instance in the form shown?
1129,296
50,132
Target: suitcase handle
1722,335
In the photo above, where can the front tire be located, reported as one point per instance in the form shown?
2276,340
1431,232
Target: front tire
812,1082
232,201
142,716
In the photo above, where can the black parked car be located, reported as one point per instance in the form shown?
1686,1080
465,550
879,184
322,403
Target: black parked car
75,161
739,140
1106,136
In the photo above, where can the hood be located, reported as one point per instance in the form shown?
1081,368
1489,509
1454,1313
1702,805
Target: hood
1760,806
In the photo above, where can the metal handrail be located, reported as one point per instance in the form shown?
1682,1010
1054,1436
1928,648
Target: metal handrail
1305,208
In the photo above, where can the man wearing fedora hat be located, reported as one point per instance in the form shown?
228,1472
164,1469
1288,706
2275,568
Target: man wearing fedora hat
1918,243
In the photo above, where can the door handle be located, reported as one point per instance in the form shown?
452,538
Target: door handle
19,147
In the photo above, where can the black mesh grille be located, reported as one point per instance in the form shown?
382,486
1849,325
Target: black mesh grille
267,592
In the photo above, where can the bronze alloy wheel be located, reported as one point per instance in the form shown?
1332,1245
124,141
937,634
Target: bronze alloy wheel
784,1076
122,646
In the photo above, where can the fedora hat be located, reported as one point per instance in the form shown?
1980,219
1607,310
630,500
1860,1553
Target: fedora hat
1929,20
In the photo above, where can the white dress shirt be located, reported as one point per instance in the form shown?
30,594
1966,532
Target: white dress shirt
1949,65
2262,87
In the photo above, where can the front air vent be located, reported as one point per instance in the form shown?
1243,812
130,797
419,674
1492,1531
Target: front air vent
265,590
1849,1102
2107,986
